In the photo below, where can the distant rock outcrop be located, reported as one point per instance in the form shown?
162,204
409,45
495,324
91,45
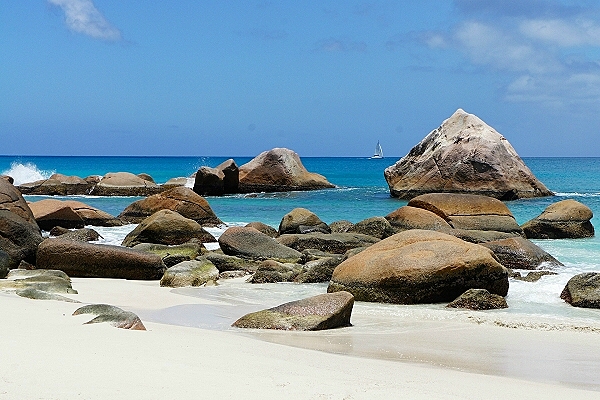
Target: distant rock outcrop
464,155
223,179
57,184
278,170
125,184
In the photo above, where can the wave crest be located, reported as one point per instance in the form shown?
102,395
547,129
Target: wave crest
25,173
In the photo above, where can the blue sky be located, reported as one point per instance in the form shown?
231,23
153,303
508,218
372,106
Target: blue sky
324,78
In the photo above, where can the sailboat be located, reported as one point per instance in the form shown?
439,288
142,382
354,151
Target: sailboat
378,151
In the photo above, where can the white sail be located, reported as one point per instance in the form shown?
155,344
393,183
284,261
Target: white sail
378,151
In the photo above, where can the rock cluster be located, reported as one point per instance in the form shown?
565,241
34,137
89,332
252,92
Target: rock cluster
463,155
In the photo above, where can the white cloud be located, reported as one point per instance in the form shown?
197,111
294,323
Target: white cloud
83,17
564,33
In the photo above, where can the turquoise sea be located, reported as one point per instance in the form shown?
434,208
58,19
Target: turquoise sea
362,192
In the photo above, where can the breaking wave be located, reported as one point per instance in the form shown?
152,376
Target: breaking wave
25,173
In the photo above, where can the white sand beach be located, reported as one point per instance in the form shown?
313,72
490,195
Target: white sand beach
49,354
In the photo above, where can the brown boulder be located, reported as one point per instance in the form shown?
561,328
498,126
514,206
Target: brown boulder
463,155
223,179
91,215
278,170
167,227
324,311
264,228
49,213
566,219
180,199
469,211
125,184
406,218
378,227
419,266
12,200
86,260
301,220
583,290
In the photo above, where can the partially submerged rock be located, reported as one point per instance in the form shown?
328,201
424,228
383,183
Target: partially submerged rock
278,170
583,290
43,280
566,219
325,311
57,185
479,299
181,199
116,316
190,273
36,294
167,227
520,253
419,266
223,179
464,155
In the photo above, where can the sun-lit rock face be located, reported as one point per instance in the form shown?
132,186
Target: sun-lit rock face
464,155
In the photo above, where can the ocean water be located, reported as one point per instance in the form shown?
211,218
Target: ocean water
361,192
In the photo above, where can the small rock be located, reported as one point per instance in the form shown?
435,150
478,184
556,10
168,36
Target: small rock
114,315
479,299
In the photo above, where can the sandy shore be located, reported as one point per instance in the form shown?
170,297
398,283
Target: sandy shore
48,354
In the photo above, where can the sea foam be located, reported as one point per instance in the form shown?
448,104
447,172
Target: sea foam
25,173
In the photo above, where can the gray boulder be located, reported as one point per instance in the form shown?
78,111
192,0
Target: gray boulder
325,311
317,271
378,227
250,243
464,155
47,281
583,290
341,226
225,263
566,219
82,235
337,243
479,299
86,260
419,266
190,273
520,253
271,271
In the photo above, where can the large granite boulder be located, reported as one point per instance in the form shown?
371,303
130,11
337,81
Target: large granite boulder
479,299
167,227
336,243
469,211
566,219
301,220
378,227
125,184
419,266
19,240
115,316
583,290
86,260
464,155
223,179
190,273
250,243
12,200
278,170
57,185
180,199
324,311
405,218
520,253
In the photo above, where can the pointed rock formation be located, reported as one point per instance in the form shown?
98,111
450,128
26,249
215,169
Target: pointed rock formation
464,155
